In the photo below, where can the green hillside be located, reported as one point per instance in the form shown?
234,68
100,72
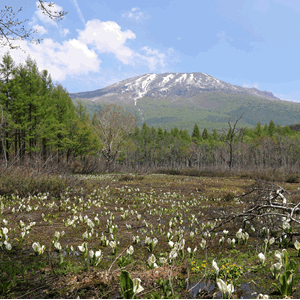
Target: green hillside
210,110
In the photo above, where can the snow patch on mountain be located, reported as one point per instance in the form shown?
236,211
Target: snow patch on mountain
172,85
166,79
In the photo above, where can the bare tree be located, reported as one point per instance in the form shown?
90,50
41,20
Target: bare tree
112,125
228,139
12,29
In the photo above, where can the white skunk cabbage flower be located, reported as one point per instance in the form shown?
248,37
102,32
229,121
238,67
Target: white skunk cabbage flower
261,257
130,250
137,288
37,248
297,245
223,287
215,267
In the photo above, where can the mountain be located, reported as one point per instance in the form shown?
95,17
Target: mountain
175,85
183,99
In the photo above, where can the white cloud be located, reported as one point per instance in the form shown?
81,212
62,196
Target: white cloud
79,12
153,57
223,37
107,37
135,14
40,29
44,18
292,96
64,32
69,58
81,55
251,85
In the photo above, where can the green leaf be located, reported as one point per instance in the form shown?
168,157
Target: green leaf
126,285
279,290
291,266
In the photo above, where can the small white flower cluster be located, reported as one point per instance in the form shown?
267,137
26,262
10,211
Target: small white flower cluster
242,236
95,257
89,223
177,247
56,244
114,246
152,261
265,231
231,242
87,235
269,242
37,248
262,296
261,258
4,239
203,244
103,240
96,220
111,228
224,288
151,243
191,253
25,229
130,250
286,224
136,239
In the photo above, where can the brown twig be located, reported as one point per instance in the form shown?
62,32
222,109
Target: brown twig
119,256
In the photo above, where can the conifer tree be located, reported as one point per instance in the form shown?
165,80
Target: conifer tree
258,129
175,132
196,132
160,133
8,89
272,128
205,134
185,135
215,135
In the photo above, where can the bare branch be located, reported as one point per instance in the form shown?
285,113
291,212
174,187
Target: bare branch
53,15
11,29
270,207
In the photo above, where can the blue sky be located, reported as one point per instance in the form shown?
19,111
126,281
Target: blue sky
251,43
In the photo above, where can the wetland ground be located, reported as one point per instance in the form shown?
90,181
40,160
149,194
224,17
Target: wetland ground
175,220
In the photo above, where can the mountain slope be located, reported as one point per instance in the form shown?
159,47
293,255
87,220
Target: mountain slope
175,85
183,99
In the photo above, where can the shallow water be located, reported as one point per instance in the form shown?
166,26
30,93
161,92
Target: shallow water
245,290
196,287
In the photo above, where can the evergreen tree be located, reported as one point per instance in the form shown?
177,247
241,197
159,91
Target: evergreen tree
215,135
205,134
185,135
258,129
160,133
8,88
272,128
196,132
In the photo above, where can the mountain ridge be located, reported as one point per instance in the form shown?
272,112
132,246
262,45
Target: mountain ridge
167,85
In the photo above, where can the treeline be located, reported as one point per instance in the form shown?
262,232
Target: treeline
38,118
267,146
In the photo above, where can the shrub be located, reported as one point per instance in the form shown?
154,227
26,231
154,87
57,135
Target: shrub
26,182
293,178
